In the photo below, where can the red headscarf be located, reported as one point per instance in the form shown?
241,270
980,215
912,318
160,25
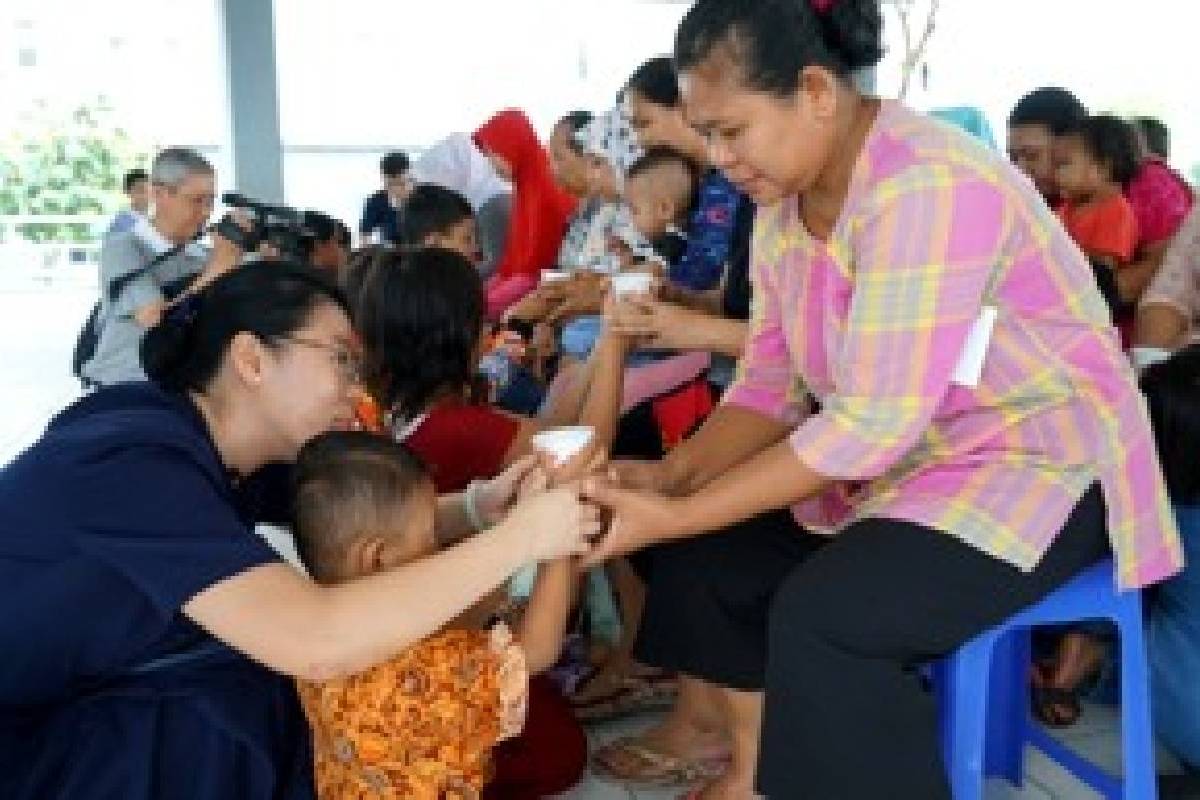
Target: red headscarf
541,208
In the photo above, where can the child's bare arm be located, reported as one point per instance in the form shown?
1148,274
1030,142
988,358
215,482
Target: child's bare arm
542,628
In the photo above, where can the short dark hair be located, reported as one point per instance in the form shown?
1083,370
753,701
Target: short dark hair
133,178
1051,107
1172,389
394,164
1156,135
422,314
1111,142
271,300
575,121
322,226
431,209
347,483
656,81
661,155
773,40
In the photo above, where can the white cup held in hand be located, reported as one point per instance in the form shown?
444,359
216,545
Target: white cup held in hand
629,284
563,444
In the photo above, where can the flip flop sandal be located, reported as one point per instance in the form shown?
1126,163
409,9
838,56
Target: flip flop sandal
630,696
656,770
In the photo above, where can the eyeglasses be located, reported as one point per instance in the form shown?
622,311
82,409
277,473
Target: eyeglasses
348,364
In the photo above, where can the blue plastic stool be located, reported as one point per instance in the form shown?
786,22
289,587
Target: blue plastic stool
983,689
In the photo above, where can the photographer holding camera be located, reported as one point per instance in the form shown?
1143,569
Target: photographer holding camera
145,269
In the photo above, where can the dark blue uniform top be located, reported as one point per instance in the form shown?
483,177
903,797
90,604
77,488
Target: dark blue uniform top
108,525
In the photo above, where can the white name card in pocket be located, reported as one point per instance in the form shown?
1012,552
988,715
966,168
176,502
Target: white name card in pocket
969,368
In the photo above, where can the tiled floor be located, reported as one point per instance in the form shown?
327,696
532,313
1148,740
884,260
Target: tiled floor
1095,736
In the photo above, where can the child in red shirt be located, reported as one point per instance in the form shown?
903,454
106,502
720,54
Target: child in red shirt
1094,161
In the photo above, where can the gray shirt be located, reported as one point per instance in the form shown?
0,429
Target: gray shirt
492,222
117,357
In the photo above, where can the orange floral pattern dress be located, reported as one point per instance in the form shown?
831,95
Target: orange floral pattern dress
421,725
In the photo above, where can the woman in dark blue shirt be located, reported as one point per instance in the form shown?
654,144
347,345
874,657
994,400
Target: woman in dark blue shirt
149,637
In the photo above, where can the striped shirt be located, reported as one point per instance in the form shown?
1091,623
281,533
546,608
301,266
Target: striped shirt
872,323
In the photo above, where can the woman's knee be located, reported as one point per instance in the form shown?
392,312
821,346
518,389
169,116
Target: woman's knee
800,609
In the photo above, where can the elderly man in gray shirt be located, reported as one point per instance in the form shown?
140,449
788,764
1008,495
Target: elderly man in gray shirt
134,297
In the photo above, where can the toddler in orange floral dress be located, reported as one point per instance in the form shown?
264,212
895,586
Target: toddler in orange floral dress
422,724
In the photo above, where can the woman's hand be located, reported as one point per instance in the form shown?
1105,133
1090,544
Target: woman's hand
654,323
553,524
496,497
639,518
586,297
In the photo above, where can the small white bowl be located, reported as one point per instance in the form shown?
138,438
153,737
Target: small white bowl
563,444
628,284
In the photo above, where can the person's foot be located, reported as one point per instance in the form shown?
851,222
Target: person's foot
730,786
673,753
1056,685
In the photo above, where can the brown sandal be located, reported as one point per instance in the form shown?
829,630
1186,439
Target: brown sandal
655,769
629,696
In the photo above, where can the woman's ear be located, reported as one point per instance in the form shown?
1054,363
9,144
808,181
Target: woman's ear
247,358
817,90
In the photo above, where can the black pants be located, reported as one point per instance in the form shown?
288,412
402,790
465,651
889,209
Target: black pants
832,629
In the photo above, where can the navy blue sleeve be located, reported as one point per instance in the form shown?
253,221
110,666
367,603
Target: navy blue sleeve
156,516
375,212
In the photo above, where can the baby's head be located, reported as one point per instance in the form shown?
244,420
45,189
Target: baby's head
364,503
1094,153
660,190
435,216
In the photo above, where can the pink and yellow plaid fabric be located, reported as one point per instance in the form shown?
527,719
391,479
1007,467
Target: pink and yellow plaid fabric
873,321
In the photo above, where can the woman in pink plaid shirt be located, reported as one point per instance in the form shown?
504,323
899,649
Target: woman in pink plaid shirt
933,424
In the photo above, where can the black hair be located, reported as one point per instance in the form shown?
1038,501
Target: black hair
575,122
394,164
773,40
1172,390
346,484
656,81
1111,143
422,315
322,226
1052,107
1156,134
357,275
133,178
343,234
431,209
660,155
270,300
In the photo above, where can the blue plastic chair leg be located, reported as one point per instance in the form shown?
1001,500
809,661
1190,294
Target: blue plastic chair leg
965,716
1137,733
1008,713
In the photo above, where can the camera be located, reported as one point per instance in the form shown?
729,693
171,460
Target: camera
287,230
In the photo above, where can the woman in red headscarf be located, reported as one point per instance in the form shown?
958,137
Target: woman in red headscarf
540,209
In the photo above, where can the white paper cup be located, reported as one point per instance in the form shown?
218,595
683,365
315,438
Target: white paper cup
1143,357
553,275
628,284
563,444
